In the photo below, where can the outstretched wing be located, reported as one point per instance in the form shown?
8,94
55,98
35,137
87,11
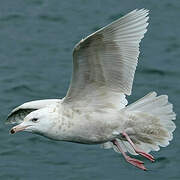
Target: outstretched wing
18,114
104,63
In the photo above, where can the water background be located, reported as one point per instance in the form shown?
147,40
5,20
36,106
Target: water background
36,41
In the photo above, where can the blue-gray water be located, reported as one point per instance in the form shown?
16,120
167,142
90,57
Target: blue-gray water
36,41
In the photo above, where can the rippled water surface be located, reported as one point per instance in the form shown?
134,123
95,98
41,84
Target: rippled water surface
36,41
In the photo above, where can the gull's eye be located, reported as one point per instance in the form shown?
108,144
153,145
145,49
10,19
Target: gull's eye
34,119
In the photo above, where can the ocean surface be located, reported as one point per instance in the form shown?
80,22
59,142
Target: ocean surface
36,41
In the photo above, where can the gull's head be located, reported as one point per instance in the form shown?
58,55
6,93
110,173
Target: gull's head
39,122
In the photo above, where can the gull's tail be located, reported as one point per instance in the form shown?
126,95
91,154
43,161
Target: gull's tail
149,124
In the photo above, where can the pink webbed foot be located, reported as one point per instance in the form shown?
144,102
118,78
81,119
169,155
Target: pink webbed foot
146,155
133,161
136,163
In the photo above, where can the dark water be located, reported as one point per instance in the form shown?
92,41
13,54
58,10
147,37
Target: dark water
36,40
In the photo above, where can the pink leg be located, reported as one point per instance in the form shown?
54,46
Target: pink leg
130,160
146,155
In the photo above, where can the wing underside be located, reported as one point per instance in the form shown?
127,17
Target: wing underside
18,114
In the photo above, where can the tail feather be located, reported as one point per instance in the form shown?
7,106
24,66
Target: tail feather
158,124
157,106
152,123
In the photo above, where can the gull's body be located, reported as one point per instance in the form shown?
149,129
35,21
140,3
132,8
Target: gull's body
95,109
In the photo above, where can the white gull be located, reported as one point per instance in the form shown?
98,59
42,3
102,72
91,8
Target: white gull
94,110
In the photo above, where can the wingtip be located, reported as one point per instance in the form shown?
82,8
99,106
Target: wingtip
143,11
